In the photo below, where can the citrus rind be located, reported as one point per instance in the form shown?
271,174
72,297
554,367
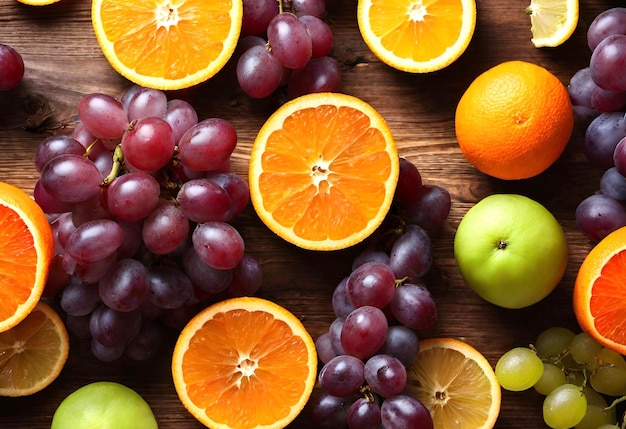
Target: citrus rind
552,21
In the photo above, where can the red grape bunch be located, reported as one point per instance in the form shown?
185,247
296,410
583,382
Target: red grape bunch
598,95
140,197
380,308
286,48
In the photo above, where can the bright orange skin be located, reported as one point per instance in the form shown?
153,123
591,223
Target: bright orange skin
599,298
514,120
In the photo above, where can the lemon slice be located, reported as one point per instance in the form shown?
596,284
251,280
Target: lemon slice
552,21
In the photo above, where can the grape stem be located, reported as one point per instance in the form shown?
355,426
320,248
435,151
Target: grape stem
118,158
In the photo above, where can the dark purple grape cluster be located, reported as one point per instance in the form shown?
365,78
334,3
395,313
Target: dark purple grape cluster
286,48
598,95
11,67
380,309
141,197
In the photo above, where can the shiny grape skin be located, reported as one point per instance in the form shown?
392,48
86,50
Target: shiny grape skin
247,277
335,335
56,145
11,67
364,331
94,240
341,304
431,209
113,328
165,229
146,102
580,88
324,348
372,283
289,41
258,72
385,375
79,299
619,156
208,144
71,178
602,136
204,276
168,286
599,215
402,343
405,412
414,307
126,287
237,189
411,254
103,115
203,201
409,185
47,202
148,144
257,14
309,7
320,33
364,414
608,63
610,21
607,101
343,375
218,244
181,116
330,412
133,196
318,75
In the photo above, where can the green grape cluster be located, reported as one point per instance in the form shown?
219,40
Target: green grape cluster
581,380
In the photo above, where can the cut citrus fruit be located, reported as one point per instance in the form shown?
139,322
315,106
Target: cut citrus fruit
552,21
38,2
598,299
244,363
323,171
456,383
417,36
167,44
33,353
26,251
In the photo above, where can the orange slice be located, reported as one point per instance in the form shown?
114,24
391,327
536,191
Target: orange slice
244,363
38,2
456,383
26,251
167,44
417,36
323,171
33,353
599,292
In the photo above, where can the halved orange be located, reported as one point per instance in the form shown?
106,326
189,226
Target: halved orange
456,383
417,36
244,363
38,2
33,353
167,44
599,297
323,171
26,251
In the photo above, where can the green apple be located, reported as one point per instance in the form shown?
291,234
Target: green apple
510,250
104,405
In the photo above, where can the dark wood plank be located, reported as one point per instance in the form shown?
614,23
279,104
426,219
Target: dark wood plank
64,63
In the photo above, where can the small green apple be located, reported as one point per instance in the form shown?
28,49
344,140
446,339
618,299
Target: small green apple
104,405
510,250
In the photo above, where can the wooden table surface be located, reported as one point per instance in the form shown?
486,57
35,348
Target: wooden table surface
64,62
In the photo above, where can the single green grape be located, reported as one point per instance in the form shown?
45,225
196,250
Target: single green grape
553,341
519,369
564,407
594,398
584,349
551,378
609,378
596,416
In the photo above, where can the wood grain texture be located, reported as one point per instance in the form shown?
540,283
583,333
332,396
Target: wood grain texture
64,62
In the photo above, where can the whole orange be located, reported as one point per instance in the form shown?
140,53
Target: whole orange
514,120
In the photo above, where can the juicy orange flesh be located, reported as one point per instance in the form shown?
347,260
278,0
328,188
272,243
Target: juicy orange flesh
245,368
167,38
454,388
419,31
324,172
28,351
606,309
18,262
